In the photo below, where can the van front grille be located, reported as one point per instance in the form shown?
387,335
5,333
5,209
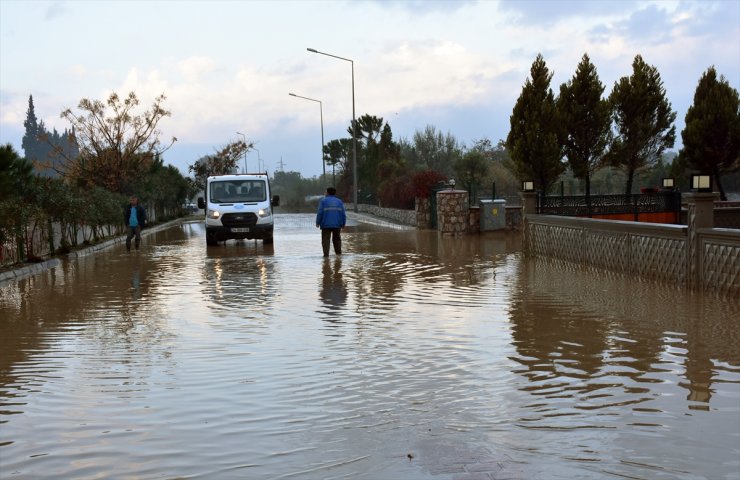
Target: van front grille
236,220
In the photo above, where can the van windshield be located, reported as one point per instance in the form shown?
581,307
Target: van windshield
237,191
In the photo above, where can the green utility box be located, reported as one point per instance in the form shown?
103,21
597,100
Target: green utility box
492,215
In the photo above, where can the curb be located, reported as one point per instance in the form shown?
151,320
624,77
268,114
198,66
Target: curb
33,269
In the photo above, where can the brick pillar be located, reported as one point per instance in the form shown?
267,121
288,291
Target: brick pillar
700,215
452,212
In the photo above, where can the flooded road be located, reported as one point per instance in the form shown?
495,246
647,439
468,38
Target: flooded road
411,356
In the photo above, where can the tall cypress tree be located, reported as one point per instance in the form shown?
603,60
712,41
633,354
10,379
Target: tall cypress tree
30,142
643,118
533,138
711,138
45,149
586,121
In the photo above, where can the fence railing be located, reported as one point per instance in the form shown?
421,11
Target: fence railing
614,206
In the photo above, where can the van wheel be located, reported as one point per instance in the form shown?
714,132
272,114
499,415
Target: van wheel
211,240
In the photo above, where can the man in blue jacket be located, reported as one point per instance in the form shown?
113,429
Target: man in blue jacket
331,218
134,216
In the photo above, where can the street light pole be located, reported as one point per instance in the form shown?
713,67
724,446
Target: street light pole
245,150
259,159
321,112
354,126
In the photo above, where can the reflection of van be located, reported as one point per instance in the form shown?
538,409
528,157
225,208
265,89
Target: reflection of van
238,206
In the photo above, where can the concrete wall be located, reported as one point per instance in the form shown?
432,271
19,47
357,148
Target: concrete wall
641,249
719,260
694,255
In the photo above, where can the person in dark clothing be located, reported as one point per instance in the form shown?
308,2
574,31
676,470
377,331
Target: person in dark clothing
134,216
331,218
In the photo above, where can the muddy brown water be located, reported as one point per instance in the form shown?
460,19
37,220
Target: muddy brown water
411,356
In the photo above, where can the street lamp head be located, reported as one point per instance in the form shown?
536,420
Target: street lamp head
312,50
292,94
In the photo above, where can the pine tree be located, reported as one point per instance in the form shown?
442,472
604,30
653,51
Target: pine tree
711,138
643,118
586,122
533,138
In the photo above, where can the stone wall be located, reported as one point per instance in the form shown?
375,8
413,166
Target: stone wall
514,217
453,213
404,217
423,213
474,220
420,217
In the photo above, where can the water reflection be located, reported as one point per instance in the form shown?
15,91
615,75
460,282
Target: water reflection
602,353
333,292
239,277
247,361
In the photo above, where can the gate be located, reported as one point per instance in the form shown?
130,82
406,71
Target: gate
433,204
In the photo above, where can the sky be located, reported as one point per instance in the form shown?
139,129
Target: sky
229,66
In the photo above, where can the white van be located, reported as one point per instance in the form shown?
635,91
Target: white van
238,207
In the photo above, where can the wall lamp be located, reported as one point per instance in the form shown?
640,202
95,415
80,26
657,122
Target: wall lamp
528,186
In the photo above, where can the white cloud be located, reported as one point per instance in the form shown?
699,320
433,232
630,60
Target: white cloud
459,65
77,70
193,69
418,75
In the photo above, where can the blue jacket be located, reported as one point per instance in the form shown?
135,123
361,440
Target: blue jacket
140,215
331,213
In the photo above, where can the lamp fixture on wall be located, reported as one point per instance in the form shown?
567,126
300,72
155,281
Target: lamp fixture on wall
528,186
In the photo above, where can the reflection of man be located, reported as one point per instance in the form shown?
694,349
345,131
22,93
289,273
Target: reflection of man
333,288
331,218
136,280
134,217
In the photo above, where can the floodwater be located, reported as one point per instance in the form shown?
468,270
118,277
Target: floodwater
411,356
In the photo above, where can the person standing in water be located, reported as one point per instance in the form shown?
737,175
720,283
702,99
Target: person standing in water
134,216
331,218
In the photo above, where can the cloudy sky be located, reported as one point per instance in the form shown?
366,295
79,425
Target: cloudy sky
228,66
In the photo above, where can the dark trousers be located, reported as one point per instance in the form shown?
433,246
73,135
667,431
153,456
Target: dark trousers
334,235
133,232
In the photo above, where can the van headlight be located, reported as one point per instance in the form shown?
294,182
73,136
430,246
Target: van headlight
264,212
213,214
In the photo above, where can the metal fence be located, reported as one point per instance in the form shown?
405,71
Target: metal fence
612,206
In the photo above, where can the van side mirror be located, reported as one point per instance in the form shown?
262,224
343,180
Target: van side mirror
276,200
201,203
